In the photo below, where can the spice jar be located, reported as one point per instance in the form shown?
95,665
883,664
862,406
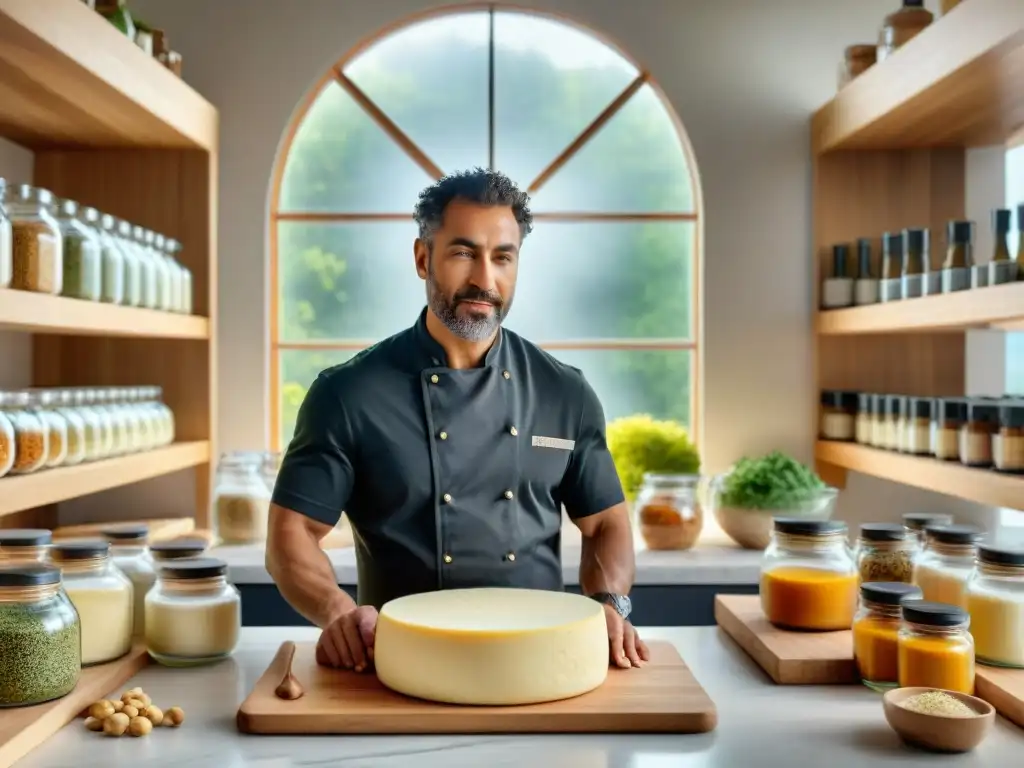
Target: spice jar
879,408
890,287
7,439
95,434
1008,444
128,551
837,290
902,408
1001,268
138,423
155,243
164,416
893,412
976,434
38,248
83,261
885,552
76,443
150,280
901,26
838,415
193,615
108,401
241,501
865,287
857,59
39,634
113,257
43,403
948,417
916,262
808,577
131,262
176,549
31,443
917,522
956,269
917,426
862,426
876,629
995,602
185,296
945,565
667,511
935,647
6,239
101,594
26,545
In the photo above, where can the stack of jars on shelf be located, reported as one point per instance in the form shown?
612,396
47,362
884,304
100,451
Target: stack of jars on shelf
60,247
47,428
241,496
980,432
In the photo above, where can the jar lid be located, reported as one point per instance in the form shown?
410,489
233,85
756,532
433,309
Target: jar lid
918,521
951,409
1011,415
954,534
865,402
194,568
916,239
1001,555
130,532
31,575
933,614
986,411
179,548
921,407
959,232
889,592
80,549
836,398
25,537
883,532
799,526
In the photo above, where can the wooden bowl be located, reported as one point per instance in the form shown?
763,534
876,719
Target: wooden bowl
938,733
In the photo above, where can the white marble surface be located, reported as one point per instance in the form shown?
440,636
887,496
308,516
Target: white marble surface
760,725
709,564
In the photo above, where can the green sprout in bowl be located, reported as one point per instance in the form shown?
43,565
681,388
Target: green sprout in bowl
772,482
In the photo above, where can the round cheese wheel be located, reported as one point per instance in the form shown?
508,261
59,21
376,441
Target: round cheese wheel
492,646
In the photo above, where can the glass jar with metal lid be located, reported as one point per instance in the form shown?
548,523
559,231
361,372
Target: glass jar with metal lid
31,436
38,248
668,512
8,441
948,417
193,615
83,259
150,281
39,634
111,401
113,256
241,500
138,420
64,404
936,649
163,286
878,416
163,415
976,434
885,552
101,594
995,601
184,298
6,239
917,522
876,629
1008,443
24,545
865,414
43,403
808,576
947,562
132,264
95,428
894,422
917,426
128,549
838,415
176,549
96,401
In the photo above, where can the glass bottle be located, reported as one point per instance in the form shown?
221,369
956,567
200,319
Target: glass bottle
37,622
96,399
901,26
43,403
82,259
241,500
128,550
6,239
885,552
978,431
31,437
77,438
1008,444
865,287
165,417
173,273
995,602
1002,268
38,247
862,426
837,290
102,596
184,303
95,435
936,649
8,441
892,266
132,265
918,522
915,262
956,269
948,417
917,429
857,59
113,257
668,513
163,275
193,615
945,565
808,576
24,545
876,630
150,281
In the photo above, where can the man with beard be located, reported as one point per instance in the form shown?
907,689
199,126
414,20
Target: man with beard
452,447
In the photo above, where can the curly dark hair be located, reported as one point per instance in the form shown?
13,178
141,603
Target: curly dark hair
478,185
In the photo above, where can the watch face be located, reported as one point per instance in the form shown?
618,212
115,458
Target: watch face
623,605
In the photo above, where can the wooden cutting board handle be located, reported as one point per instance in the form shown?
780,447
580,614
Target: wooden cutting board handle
289,688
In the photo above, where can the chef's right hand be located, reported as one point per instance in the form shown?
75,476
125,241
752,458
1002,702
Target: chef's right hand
348,640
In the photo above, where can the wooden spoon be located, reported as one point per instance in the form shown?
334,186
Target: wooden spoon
289,687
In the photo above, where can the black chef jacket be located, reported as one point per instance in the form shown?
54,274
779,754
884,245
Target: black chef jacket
450,478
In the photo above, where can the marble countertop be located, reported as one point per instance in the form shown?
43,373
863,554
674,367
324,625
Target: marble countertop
707,564
759,724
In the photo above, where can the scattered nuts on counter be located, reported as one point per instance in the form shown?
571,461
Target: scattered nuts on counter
133,713
153,714
174,717
130,711
101,710
118,705
116,724
139,726
93,724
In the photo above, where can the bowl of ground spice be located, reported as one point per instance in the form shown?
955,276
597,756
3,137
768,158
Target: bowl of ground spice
937,720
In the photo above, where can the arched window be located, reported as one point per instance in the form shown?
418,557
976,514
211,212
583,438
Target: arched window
609,278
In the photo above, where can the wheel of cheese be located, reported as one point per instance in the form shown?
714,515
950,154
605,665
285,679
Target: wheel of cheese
492,646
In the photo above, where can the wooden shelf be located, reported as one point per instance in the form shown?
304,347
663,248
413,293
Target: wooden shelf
69,78
998,305
163,529
958,83
40,313
19,492
982,486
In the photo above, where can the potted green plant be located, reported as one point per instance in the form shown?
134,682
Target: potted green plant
659,467
756,490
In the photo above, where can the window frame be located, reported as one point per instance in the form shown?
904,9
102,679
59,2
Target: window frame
692,345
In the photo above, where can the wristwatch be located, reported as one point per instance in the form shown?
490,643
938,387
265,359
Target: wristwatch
621,603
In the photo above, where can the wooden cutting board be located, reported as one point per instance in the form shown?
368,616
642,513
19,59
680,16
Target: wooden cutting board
24,728
1003,689
789,658
662,697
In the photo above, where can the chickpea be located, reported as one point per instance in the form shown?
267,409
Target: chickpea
140,726
116,724
130,711
137,703
93,724
153,713
101,710
117,704
174,717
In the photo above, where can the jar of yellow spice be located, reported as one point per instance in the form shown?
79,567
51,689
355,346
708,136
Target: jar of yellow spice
31,437
935,647
876,629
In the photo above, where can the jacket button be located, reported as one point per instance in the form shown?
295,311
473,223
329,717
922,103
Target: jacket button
447,557
434,379
507,375
443,435
509,495
511,557
447,498
513,431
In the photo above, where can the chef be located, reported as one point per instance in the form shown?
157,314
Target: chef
452,446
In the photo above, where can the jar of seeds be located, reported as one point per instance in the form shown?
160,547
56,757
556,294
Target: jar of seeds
6,246
44,404
6,439
38,247
885,552
31,437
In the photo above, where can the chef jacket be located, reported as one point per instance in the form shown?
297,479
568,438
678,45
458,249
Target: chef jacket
450,478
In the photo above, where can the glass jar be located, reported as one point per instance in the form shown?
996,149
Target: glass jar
97,399
163,277
895,418
945,565
43,403
995,602
1008,443
183,299
948,419
39,634
150,281
935,647
270,465
917,522
879,404
31,437
109,401
976,434
132,264
901,26
138,420
917,427
241,501
171,289
63,400
128,549
176,549
38,248
113,257
865,415
838,415
8,440
26,545
875,630
193,615
83,260
885,552
6,239
857,59
95,428
101,594
163,416
668,513
808,576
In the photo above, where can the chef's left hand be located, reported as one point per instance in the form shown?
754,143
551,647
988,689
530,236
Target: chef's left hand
626,649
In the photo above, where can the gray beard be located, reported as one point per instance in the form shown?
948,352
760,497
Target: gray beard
466,328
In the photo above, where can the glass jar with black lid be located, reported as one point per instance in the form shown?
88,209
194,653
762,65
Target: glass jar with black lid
128,544
19,546
838,415
865,414
959,261
917,522
885,552
995,600
890,287
935,646
948,417
944,567
876,630
894,416
976,434
916,263
1008,443
917,426
879,406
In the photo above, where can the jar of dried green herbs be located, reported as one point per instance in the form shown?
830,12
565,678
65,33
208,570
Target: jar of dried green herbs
885,552
82,258
40,636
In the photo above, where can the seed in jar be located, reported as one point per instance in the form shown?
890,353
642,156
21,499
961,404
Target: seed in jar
116,724
139,726
887,566
29,450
